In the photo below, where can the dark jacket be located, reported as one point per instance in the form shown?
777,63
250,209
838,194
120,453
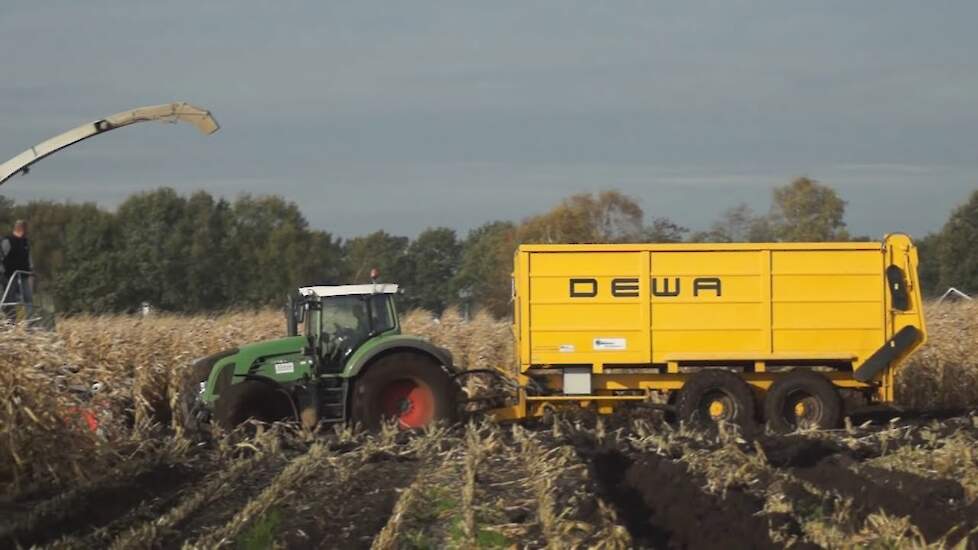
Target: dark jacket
16,254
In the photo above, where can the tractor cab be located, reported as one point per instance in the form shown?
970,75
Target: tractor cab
338,320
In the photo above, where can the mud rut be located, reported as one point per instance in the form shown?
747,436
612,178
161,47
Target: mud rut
105,507
574,482
665,503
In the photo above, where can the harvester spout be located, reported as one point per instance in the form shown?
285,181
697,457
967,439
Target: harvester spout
170,112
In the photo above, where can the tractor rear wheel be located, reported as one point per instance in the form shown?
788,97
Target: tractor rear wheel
409,388
251,400
712,396
802,399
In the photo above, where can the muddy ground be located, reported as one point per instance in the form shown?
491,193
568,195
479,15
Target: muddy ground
576,481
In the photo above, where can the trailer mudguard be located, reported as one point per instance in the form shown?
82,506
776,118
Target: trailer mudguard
170,112
395,342
893,349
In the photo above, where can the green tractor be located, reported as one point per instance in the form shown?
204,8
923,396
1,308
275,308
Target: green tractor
344,359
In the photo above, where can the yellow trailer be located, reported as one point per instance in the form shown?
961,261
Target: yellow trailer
729,331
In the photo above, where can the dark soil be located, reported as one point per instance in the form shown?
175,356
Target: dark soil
796,451
664,506
503,495
220,511
935,506
104,504
656,498
324,515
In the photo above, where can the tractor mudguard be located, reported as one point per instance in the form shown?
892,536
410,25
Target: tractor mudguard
239,364
384,344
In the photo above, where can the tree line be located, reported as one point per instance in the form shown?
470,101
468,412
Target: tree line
201,253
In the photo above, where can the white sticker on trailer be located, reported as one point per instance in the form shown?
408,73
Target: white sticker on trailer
284,368
566,348
602,344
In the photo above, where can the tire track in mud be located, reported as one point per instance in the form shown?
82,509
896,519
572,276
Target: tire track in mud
350,509
663,505
339,493
661,501
843,467
211,502
101,505
461,494
567,490
429,491
936,507
317,461
677,488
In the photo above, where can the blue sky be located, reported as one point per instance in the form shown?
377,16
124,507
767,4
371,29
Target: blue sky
400,116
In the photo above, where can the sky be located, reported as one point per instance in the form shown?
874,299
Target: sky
401,116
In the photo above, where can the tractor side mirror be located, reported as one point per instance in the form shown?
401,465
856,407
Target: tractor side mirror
294,314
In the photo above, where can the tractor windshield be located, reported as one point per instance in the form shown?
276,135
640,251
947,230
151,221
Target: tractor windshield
352,319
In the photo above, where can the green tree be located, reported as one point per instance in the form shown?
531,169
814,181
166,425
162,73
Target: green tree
379,250
207,225
88,279
486,264
153,241
662,230
177,253
432,259
929,270
6,215
737,224
607,217
956,251
276,251
807,211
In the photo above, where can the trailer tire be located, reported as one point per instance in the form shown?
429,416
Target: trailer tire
251,400
409,387
710,396
802,398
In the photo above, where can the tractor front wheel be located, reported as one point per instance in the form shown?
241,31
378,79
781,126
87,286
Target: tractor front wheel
251,400
188,400
408,388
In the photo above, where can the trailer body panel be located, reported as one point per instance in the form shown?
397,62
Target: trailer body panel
677,305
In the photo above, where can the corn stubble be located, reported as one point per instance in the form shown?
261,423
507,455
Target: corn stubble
478,485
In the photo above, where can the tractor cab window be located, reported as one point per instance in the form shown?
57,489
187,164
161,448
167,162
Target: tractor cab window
346,317
350,320
381,313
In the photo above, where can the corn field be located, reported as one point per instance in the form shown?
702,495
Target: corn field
572,480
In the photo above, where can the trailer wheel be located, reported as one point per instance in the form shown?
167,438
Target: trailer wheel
251,400
711,396
802,399
407,387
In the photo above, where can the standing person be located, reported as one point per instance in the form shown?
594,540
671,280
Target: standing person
15,253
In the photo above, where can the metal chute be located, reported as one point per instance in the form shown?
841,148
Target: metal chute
170,112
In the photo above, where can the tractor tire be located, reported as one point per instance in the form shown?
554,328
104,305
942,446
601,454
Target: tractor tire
407,387
711,396
187,400
802,399
251,400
